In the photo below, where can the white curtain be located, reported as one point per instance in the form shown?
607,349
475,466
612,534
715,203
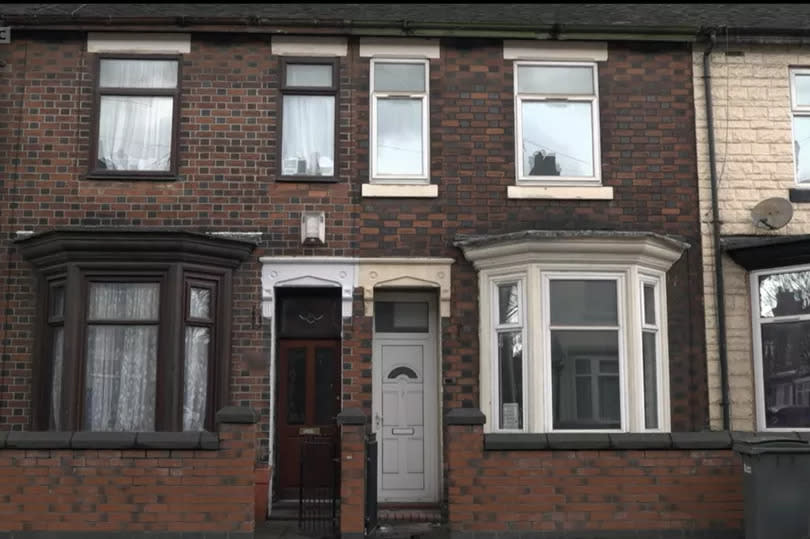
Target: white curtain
135,133
308,135
196,377
121,359
57,360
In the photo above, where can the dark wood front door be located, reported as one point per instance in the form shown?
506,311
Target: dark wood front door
308,403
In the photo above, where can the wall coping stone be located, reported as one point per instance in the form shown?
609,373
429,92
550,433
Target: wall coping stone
701,440
514,442
239,415
123,535
503,441
80,440
465,416
578,440
352,416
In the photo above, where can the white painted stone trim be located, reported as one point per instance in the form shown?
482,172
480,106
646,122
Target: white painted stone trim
308,46
302,271
400,190
559,192
393,273
399,47
592,51
169,43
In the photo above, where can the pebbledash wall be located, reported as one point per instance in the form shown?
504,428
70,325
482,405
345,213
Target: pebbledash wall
755,161
229,134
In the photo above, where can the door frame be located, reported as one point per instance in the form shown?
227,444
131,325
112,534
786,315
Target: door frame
434,335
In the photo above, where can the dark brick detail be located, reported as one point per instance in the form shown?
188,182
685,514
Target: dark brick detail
514,442
465,416
701,440
103,440
167,440
352,416
651,440
799,195
237,415
38,440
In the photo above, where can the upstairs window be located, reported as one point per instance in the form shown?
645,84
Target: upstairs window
137,104
309,93
557,122
800,106
399,126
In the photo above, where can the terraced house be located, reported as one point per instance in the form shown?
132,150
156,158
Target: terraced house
439,260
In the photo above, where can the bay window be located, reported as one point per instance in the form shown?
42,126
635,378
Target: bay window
137,331
573,330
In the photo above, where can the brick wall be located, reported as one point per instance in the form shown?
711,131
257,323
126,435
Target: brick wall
648,157
132,490
586,491
754,150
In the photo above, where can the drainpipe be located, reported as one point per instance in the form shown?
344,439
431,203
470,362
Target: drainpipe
718,255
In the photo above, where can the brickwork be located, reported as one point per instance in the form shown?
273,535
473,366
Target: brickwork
352,479
754,147
131,490
590,491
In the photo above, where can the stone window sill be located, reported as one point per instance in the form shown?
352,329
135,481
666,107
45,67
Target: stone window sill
558,192
387,190
626,441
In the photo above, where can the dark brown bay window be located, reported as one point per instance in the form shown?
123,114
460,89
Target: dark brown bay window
135,329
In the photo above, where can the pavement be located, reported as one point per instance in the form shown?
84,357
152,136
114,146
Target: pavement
288,529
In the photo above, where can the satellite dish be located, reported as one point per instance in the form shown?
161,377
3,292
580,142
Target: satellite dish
772,213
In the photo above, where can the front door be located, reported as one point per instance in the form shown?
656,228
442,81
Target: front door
308,401
406,397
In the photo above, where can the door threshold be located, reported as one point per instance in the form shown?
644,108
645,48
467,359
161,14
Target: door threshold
409,512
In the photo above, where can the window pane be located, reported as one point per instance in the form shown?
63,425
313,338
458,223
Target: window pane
57,309
801,144
510,369
135,133
401,316
138,74
399,137
325,371
569,80
508,304
309,75
308,135
574,389
399,77
57,361
784,294
583,303
196,377
200,303
297,387
124,301
802,89
649,304
785,367
649,350
557,138
120,383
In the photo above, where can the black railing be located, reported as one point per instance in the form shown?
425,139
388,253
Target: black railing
371,483
317,505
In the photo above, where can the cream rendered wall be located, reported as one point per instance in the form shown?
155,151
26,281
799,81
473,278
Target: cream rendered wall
754,149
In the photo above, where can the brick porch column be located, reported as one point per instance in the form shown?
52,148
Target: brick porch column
465,446
353,427
237,437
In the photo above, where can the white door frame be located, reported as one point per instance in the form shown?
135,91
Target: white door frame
431,421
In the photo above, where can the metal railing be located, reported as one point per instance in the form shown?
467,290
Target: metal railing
371,484
318,490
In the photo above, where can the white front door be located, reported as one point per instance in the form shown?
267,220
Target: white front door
406,397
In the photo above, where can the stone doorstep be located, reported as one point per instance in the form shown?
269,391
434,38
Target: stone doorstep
409,514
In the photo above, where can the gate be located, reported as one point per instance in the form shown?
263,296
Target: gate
371,483
317,500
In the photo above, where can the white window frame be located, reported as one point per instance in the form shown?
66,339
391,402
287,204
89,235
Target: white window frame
797,110
496,329
424,97
659,330
537,379
756,325
522,177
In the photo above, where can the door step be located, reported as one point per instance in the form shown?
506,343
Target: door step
409,513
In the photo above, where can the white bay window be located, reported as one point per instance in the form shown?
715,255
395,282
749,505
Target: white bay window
573,331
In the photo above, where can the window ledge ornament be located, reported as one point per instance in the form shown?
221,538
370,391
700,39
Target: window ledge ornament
393,273
301,271
647,249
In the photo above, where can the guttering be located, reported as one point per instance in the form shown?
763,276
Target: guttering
720,310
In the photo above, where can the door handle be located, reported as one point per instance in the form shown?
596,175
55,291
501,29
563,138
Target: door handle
377,421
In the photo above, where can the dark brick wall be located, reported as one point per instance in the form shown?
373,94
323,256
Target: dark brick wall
648,157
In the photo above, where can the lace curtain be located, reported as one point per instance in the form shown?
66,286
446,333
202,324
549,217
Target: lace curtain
308,135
